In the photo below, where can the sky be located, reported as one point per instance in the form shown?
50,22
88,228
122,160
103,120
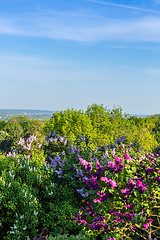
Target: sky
59,54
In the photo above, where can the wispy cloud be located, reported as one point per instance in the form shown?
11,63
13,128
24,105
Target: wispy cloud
74,27
125,6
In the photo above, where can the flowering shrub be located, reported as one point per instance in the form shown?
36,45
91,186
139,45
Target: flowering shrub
116,186
124,197
31,197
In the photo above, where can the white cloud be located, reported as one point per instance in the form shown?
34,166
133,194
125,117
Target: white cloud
69,26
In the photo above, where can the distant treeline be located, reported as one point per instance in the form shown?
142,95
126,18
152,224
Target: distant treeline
97,126
6,114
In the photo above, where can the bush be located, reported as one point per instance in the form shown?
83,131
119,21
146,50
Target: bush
124,196
43,186
67,237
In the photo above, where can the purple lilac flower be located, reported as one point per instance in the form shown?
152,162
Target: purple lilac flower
86,164
125,191
72,150
113,184
91,183
146,225
132,183
97,226
126,156
59,172
105,179
99,219
82,194
150,171
150,220
63,153
111,164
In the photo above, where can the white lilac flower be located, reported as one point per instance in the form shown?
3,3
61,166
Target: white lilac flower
25,194
28,146
61,139
113,151
9,184
9,154
15,227
51,193
35,213
52,184
21,141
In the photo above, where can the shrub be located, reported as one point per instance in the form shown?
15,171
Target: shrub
124,197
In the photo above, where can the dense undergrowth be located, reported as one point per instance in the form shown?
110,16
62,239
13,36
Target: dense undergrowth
77,187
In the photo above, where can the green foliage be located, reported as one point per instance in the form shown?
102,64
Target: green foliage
103,126
2,124
156,128
3,136
16,127
32,197
67,237
70,123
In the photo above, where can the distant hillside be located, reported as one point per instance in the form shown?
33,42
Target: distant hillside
155,116
5,114
139,115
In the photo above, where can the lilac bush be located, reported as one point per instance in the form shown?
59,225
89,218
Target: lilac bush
124,196
116,185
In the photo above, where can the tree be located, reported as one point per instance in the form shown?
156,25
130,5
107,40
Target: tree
70,123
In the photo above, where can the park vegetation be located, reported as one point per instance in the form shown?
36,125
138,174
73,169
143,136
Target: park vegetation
83,175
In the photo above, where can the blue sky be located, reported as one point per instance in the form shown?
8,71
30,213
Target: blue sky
59,54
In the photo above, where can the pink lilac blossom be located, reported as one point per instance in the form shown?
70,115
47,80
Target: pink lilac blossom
112,183
86,164
125,191
150,220
146,225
